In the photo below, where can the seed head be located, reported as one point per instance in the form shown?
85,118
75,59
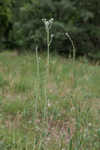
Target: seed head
67,34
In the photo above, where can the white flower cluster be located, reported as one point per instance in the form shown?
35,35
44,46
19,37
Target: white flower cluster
48,23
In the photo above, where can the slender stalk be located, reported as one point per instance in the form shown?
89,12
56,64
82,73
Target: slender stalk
48,51
46,103
37,60
74,49
48,25
37,82
74,57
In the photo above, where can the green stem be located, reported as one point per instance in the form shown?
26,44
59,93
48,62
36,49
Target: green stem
48,49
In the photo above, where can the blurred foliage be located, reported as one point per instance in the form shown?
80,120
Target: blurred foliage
79,18
5,16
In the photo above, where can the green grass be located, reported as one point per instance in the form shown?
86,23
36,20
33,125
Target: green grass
55,112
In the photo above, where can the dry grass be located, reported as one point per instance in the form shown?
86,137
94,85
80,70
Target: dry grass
72,107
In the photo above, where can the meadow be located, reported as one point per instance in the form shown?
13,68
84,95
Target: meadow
55,107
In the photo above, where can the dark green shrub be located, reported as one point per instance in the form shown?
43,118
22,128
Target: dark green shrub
5,21
79,18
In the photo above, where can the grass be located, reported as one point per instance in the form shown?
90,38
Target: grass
66,117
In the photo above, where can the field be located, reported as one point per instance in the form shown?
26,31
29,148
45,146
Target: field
48,107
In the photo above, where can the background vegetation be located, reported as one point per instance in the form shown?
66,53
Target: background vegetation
48,102
21,26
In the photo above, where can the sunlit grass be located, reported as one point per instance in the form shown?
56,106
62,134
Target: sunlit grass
72,113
